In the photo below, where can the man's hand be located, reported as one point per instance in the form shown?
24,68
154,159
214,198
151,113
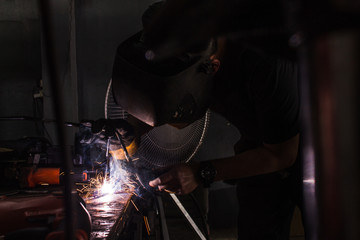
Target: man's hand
180,179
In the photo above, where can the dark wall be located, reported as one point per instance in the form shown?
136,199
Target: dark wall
86,42
91,31
20,65
100,27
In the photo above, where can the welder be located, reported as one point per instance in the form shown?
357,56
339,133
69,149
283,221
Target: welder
256,92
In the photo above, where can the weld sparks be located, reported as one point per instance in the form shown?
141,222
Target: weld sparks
107,183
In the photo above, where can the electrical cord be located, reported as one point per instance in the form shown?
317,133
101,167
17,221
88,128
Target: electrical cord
38,112
203,220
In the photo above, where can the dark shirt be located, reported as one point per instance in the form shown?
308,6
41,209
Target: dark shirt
258,94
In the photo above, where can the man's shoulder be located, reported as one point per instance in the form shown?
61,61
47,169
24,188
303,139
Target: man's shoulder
246,67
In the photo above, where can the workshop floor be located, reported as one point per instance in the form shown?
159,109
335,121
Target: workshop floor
179,230
223,234
222,218
296,232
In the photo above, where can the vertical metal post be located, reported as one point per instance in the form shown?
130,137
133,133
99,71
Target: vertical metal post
335,62
310,201
52,59
331,57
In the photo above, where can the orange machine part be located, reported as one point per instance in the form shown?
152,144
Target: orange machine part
43,176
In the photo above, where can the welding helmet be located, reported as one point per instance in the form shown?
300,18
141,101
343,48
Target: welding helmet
172,90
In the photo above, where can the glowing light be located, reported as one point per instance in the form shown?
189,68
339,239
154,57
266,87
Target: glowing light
106,199
311,181
106,184
107,188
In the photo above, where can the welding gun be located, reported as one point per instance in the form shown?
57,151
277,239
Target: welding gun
102,133
125,138
117,137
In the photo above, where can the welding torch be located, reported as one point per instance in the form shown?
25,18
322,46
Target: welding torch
122,145
142,175
117,137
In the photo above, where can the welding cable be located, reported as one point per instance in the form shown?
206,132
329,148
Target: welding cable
27,118
36,120
203,220
163,226
37,110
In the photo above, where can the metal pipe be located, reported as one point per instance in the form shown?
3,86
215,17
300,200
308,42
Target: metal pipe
27,118
310,201
329,60
51,58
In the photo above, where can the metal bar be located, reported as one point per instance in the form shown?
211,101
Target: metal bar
27,118
310,209
188,217
51,57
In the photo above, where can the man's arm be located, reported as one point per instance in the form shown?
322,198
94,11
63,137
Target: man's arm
183,178
261,160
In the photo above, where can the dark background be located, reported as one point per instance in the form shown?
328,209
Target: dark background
87,35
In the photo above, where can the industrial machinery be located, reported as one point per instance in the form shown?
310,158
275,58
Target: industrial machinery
162,147
31,192
112,199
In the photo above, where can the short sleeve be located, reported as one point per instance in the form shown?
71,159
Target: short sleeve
276,99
